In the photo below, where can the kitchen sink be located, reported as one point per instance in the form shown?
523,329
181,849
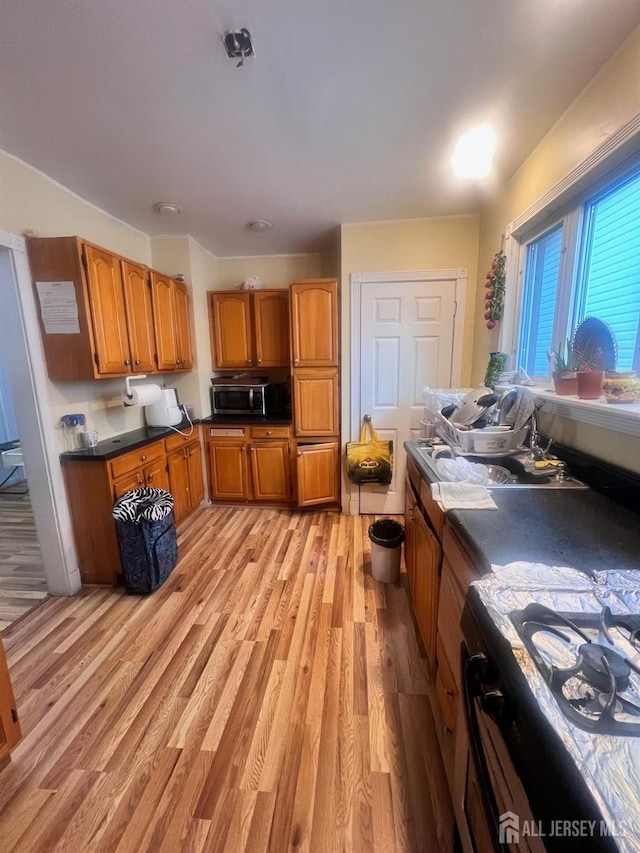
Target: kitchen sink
521,477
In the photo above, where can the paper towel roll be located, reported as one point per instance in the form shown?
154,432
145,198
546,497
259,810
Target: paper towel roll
142,395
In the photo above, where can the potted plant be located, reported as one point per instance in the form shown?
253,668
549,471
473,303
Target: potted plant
563,370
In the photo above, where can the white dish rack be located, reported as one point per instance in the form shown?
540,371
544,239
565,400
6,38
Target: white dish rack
484,441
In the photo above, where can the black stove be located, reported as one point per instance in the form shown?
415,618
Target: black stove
590,662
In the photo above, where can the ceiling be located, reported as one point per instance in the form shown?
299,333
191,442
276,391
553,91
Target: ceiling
348,112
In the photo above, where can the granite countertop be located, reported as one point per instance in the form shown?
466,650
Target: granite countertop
580,528
236,420
117,445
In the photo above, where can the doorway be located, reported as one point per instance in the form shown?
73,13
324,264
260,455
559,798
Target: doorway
24,370
406,334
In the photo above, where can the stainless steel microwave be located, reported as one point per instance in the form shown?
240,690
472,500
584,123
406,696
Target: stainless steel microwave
244,400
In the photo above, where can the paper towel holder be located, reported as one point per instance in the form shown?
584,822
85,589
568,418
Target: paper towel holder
128,395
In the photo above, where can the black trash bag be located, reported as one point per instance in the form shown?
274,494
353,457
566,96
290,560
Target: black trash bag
147,538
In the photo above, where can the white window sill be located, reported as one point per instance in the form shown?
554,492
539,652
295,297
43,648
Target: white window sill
620,417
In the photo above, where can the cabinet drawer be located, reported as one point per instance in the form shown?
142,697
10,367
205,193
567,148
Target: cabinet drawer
123,464
175,442
226,432
270,432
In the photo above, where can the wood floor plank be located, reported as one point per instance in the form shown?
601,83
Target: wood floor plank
270,696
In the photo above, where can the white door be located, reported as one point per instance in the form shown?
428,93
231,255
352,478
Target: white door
406,343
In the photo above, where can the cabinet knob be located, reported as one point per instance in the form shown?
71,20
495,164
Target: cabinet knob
299,453
143,457
150,478
127,361
448,730
259,361
269,431
296,360
449,692
248,361
137,361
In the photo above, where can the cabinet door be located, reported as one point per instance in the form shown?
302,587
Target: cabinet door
315,402
137,299
230,322
314,323
271,326
108,316
409,533
318,469
183,331
270,470
196,479
179,483
155,475
164,321
228,470
132,480
428,555
9,726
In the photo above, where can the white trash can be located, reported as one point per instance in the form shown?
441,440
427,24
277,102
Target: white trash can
387,536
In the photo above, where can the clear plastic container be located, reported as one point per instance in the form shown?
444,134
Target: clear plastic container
74,431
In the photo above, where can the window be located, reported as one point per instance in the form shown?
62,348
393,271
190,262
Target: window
597,273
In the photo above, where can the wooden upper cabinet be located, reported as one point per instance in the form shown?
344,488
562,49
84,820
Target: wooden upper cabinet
183,331
315,402
139,309
107,311
9,726
271,327
98,317
249,328
164,321
314,323
230,321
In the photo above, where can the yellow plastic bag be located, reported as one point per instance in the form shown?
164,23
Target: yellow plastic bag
369,461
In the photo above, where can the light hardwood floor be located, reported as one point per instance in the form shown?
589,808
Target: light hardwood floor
270,696
22,581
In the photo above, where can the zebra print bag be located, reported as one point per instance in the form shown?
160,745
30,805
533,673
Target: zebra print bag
147,538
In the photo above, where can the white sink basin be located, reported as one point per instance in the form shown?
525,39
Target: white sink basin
12,458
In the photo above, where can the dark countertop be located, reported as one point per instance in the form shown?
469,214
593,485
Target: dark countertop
559,527
235,420
117,445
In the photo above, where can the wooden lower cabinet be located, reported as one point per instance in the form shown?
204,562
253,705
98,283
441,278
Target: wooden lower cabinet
410,508
10,732
318,470
428,557
104,481
228,470
271,470
185,479
255,464
250,464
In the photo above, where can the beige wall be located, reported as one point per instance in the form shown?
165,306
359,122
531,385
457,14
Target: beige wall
30,201
276,271
610,100
412,244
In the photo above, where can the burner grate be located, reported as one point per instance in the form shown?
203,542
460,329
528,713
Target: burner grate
599,690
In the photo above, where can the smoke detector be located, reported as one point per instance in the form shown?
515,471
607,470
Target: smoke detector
167,207
238,44
259,225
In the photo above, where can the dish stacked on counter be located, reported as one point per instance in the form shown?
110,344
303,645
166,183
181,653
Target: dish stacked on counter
483,424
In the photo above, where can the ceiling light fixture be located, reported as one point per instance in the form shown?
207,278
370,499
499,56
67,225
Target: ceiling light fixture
259,225
167,207
473,154
238,44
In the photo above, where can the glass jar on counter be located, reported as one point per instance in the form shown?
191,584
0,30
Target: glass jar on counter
74,431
